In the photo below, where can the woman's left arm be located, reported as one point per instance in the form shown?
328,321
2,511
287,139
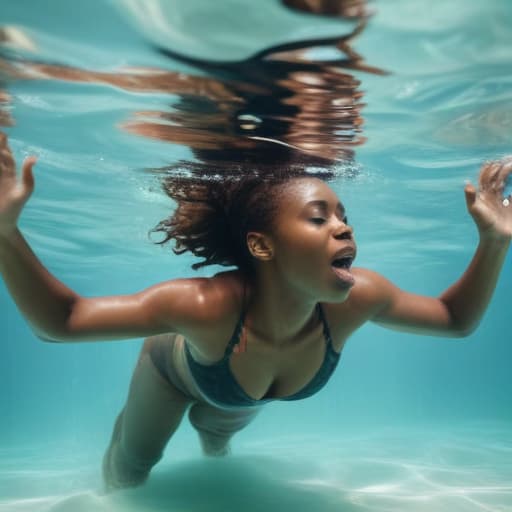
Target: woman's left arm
459,309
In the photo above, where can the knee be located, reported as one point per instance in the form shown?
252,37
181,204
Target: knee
139,460
122,469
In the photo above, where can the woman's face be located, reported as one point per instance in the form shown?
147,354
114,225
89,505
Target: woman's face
313,243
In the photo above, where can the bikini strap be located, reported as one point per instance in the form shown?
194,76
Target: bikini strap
327,330
238,335
238,341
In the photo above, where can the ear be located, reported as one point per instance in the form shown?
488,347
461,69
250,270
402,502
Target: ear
260,246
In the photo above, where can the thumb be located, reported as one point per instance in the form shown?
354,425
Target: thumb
470,192
27,177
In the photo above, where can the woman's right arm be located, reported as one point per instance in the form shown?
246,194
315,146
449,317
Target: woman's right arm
57,313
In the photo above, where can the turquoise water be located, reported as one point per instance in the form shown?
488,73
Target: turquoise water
407,423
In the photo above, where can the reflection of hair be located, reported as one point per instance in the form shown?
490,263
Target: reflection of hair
213,216
344,8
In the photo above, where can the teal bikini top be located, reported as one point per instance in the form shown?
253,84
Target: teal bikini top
219,385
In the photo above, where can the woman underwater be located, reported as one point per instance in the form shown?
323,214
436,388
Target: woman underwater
271,329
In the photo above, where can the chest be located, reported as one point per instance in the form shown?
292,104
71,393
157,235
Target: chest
279,372
267,370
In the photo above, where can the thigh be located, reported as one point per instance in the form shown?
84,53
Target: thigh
153,411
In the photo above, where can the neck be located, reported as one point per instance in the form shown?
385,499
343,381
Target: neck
278,313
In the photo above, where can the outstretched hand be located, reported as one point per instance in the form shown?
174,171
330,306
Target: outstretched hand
13,193
492,212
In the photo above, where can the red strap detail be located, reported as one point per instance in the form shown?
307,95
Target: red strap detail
243,341
241,346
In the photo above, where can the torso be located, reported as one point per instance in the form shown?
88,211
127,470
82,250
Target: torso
266,370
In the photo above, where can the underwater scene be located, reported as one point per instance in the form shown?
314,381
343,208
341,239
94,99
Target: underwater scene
397,104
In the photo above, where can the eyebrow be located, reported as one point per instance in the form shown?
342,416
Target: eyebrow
325,205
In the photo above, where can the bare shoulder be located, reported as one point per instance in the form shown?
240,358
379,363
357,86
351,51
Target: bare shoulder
204,310
370,289
203,300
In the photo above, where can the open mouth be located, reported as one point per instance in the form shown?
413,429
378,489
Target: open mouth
341,268
344,262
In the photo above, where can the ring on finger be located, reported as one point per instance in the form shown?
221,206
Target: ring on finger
505,202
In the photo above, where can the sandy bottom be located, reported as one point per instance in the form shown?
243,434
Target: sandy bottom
464,470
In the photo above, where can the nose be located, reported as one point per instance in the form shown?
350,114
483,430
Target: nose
343,231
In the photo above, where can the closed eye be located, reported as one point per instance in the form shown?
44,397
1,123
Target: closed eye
321,220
